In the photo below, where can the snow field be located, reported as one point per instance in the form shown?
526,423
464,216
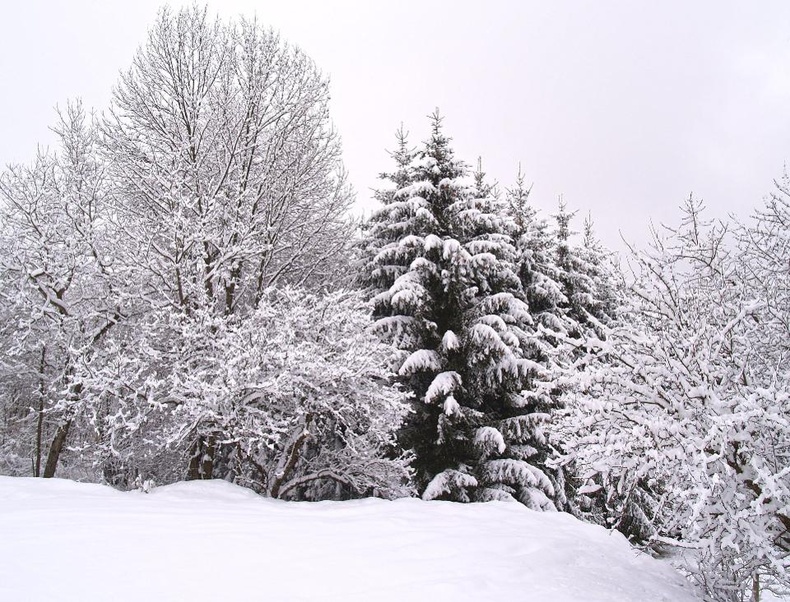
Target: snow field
61,540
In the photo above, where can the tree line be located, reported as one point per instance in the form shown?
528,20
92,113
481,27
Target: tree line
185,297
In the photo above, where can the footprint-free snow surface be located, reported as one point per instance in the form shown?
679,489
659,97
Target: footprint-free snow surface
61,540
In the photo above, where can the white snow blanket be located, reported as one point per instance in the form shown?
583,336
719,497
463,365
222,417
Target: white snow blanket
61,540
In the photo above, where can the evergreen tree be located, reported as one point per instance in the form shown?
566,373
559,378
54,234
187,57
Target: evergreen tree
540,276
576,285
601,266
442,274
393,221
587,276
537,267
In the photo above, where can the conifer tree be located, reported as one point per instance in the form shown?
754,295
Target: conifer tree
541,278
586,275
537,267
393,221
601,267
442,274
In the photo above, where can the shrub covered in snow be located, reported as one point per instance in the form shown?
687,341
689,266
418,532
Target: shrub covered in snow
681,420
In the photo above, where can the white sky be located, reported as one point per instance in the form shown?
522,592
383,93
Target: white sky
623,107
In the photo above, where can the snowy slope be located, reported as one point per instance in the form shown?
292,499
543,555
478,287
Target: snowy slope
61,540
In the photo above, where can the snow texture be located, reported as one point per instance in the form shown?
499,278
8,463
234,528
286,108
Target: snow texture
489,439
422,360
209,540
443,384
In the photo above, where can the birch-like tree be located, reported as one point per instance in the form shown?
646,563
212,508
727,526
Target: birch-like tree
60,293
227,181
227,169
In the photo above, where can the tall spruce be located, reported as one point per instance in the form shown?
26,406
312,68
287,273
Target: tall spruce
443,277
541,279
537,264
587,275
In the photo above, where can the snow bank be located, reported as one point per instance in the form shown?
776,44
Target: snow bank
61,540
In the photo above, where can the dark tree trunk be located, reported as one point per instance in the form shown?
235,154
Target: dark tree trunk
58,443
39,432
40,418
292,458
201,465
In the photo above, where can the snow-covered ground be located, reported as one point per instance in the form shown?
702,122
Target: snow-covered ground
61,540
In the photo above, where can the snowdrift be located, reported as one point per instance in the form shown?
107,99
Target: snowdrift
61,540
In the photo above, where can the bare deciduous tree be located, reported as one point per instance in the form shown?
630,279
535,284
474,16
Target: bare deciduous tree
227,168
687,403
59,286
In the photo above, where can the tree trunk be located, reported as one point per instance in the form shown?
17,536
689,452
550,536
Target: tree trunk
39,431
40,418
290,458
56,448
201,465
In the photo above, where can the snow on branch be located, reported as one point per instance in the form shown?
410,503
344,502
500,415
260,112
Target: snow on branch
449,481
442,385
422,360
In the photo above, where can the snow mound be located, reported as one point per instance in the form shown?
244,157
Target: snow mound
214,541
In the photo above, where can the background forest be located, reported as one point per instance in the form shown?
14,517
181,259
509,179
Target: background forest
184,296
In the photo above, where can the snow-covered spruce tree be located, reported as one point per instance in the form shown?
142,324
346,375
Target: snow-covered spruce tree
686,403
537,266
570,291
586,275
590,283
445,291
540,276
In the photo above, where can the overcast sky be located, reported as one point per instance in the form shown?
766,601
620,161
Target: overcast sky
623,107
